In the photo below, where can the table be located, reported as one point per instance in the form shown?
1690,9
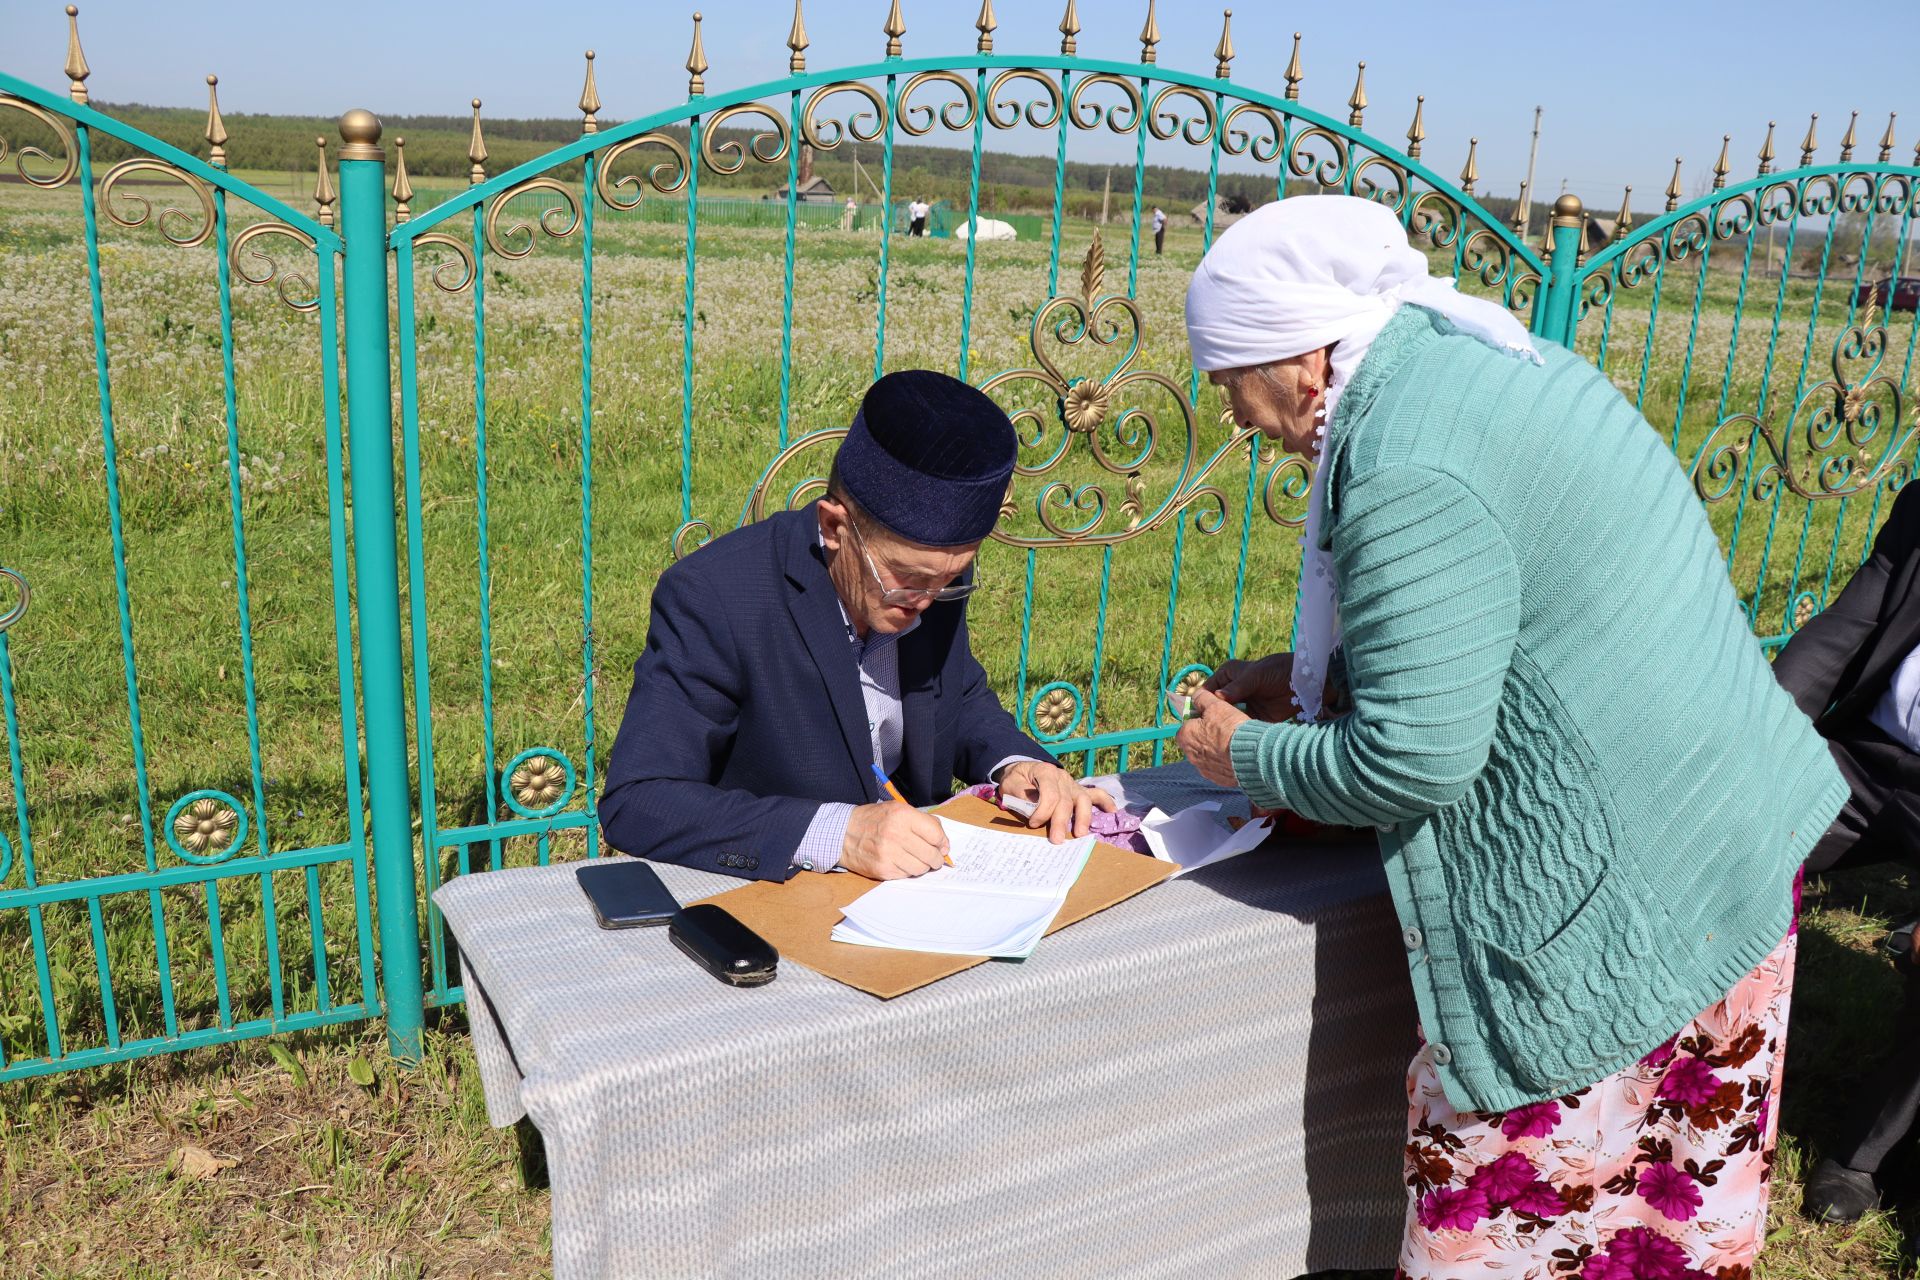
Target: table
1205,1080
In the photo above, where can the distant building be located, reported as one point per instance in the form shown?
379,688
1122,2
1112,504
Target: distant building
812,188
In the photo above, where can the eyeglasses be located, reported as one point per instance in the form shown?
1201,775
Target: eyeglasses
903,597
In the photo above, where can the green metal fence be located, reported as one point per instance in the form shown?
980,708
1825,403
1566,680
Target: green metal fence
551,457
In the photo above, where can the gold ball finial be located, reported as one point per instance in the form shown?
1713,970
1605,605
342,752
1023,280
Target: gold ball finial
360,134
212,81
1569,212
476,101
73,11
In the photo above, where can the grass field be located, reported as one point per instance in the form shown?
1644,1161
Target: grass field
403,1178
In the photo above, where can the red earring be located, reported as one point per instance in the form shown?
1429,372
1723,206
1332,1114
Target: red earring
1312,392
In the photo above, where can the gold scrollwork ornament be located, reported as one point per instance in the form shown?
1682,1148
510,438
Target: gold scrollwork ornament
1836,420
455,276
664,176
726,155
69,166
558,221
918,118
177,225
1005,113
861,126
253,265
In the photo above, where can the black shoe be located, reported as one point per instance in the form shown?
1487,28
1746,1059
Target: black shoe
1835,1193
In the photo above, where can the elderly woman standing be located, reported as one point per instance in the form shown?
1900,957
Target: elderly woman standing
1591,795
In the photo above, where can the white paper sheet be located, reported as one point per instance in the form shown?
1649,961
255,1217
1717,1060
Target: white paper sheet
1196,837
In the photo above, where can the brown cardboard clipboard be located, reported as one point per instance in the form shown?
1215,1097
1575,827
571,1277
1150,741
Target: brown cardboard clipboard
798,916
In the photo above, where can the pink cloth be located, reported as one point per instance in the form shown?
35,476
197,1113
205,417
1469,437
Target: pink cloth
1118,828
1658,1172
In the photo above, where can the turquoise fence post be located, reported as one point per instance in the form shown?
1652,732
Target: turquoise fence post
376,571
1557,308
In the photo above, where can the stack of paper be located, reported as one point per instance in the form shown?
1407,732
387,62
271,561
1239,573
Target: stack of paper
997,898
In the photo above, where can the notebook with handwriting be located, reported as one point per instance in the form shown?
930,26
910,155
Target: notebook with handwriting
997,899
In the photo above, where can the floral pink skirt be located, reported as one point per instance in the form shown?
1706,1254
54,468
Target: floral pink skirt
1658,1172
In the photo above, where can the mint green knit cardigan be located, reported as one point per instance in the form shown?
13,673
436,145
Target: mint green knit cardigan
1592,796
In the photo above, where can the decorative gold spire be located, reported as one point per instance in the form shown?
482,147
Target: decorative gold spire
77,70
985,25
1766,151
1809,143
1358,99
1673,187
1070,30
590,100
895,27
402,185
1294,74
1519,219
1887,144
323,185
1625,222
1223,52
476,151
1150,35
1720,167
797,41
1849,142
1470,171
697,59
1417,131
216,127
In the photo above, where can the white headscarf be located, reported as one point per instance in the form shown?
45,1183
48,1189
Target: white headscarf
1298,275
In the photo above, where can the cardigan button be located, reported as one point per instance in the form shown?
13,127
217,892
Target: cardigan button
1441,1055
1413,938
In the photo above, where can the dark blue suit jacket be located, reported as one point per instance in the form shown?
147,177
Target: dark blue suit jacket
746,713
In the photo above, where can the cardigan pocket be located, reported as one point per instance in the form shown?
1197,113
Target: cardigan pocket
1586,1001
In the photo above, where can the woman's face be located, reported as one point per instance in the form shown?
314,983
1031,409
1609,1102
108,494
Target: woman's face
1281,400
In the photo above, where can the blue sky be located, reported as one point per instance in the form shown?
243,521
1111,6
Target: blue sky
1626,86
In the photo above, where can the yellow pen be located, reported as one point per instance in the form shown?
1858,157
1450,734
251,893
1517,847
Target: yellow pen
886,785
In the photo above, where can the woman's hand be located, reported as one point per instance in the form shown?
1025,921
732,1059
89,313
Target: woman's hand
1207,739
1266,686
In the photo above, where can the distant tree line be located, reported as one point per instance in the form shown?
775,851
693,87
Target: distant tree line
436,149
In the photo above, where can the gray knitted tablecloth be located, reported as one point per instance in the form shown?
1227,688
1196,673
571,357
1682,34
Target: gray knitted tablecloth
1205,1080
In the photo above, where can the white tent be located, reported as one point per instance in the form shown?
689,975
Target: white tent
990,229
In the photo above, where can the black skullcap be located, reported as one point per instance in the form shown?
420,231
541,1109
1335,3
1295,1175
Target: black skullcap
929,458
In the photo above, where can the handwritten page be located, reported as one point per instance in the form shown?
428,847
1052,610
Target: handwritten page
997,899
1010,860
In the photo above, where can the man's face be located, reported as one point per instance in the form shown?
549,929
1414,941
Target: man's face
866,561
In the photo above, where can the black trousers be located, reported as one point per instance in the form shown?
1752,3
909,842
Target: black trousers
1159,238
918,227
1881,823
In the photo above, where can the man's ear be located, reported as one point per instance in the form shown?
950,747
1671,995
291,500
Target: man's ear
833,523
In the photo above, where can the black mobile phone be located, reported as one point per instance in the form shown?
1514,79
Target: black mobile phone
626,893
723,946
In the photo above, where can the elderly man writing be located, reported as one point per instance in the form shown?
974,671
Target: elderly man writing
787,659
